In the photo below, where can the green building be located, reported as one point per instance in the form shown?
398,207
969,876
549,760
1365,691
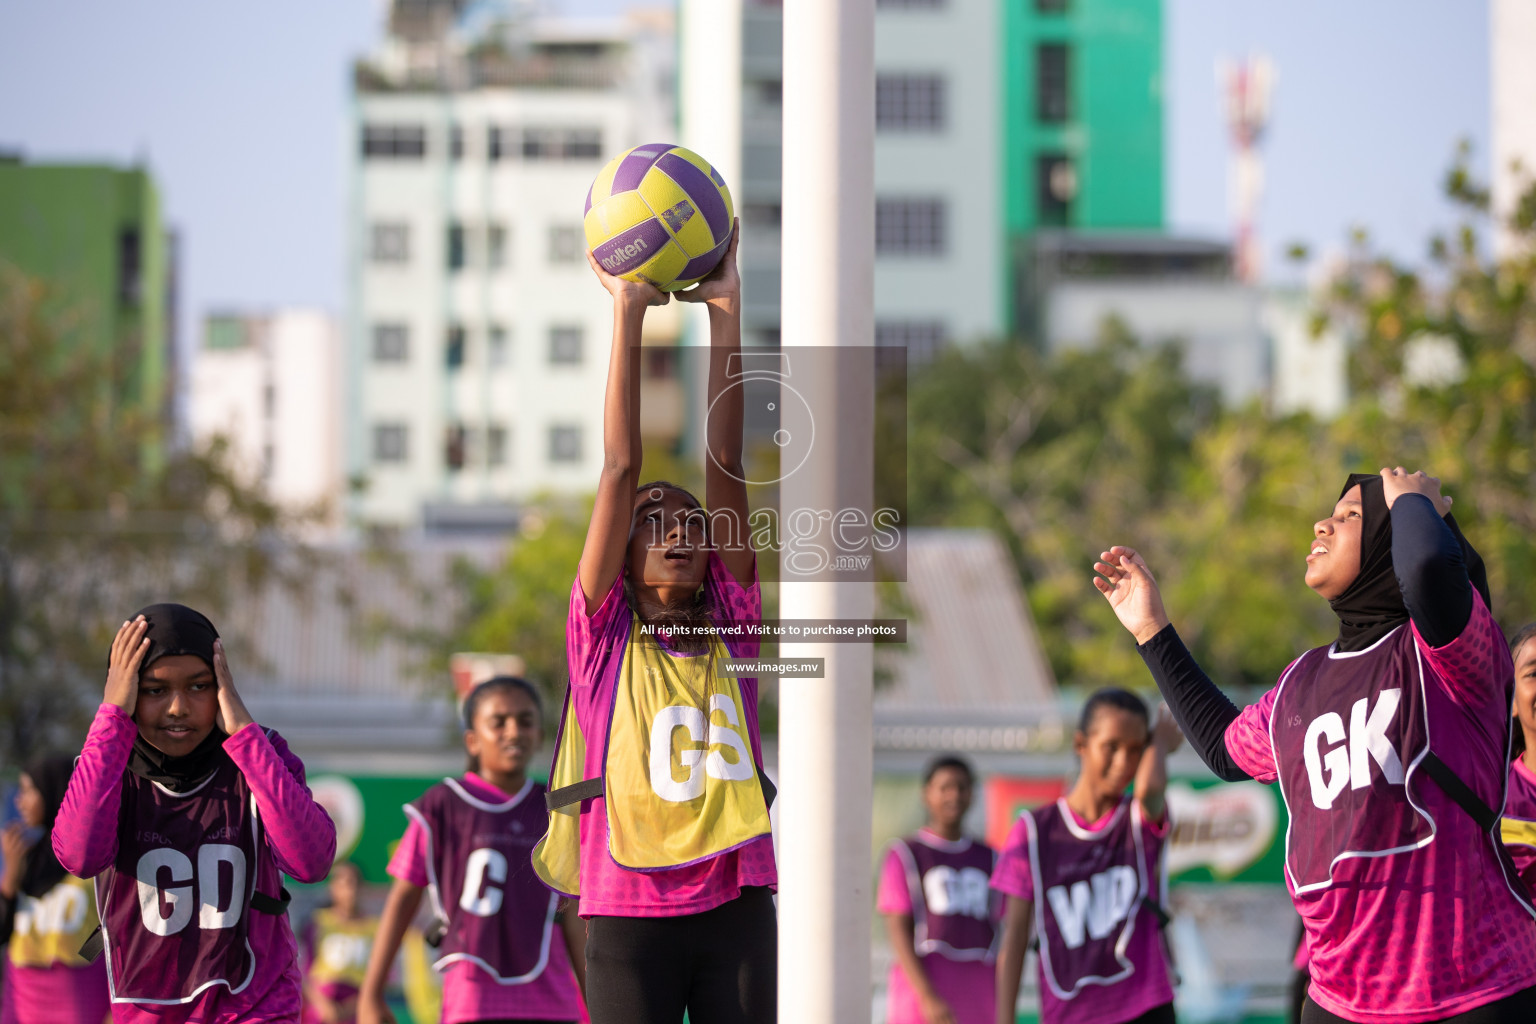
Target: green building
94,234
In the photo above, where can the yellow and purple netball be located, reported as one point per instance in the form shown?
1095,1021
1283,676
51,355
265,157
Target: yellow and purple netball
660,214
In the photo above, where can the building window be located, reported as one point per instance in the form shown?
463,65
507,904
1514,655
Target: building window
494,144
565,244
457,243
454,345
565,444
497,349
762,215
770,92
394,141
389,442
455,447
130,275
1053,69
496,445
496,246
391,343
909,227
923,339
1055,188
909,103
562,144
565,346
456,142
389,243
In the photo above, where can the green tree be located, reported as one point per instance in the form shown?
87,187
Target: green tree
97,518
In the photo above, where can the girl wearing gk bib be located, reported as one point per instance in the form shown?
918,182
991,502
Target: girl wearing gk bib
660,816
1518,826
507,950
186,812
1084,876
337,943
1391,747
939,911
46,913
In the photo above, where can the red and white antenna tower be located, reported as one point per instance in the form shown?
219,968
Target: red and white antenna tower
1247,87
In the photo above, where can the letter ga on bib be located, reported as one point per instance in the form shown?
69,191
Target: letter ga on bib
680,787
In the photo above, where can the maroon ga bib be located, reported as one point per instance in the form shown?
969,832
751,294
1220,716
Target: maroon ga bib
1089,887
951,896
497,914
1348,732
175,904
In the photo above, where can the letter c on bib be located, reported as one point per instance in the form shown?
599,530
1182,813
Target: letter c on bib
1328,727
178,894
483,864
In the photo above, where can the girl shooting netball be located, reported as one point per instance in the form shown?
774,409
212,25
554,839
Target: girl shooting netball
186,812
660,822
1391,749
1084,876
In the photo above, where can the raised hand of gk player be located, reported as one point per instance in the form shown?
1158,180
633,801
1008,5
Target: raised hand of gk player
1396,482
1127,584
128,650
635,293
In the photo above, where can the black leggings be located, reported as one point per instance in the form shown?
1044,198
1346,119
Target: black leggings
1519,1008
721,966
1157,1015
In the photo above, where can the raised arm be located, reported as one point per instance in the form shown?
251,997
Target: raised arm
602,556
400,909
1152,774
1426,556
725,488
1202,711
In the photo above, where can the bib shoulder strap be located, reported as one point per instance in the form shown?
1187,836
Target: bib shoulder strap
1459,791
575,793
94,943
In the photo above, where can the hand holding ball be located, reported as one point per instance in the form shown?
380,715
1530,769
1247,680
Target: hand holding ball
659,214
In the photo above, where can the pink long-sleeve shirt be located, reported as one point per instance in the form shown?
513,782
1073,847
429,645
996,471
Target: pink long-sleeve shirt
299,834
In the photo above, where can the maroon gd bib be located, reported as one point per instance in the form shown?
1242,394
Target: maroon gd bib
1349,731
175,904
497,914
1089,887
951,898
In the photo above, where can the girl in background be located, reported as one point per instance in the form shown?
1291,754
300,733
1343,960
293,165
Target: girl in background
338,941
507,950
187,812
660,819
1391,749
1085,876
939,911
46,914
1518,825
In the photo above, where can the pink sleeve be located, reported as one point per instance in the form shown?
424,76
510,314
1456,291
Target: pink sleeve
894,896
735,603
585,633
1012,875
1475,668
300,833
85,832
409,864
1248,738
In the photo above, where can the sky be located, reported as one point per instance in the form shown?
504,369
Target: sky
240,112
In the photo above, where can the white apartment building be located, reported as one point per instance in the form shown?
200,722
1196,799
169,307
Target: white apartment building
479,339
940,272
269,385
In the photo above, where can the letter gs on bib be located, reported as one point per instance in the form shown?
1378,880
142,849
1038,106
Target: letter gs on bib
682,716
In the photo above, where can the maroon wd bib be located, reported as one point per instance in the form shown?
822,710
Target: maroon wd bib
951,898
175,904
1088,892
498,915
1348,732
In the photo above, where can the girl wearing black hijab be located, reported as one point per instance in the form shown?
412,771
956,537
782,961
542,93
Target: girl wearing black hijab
1390,746
45,912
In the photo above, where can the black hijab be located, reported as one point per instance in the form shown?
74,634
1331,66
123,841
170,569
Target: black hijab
41,870
1372,606
177,629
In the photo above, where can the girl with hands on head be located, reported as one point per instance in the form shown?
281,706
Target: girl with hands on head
1391,749
667,846
1095,855
187,813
